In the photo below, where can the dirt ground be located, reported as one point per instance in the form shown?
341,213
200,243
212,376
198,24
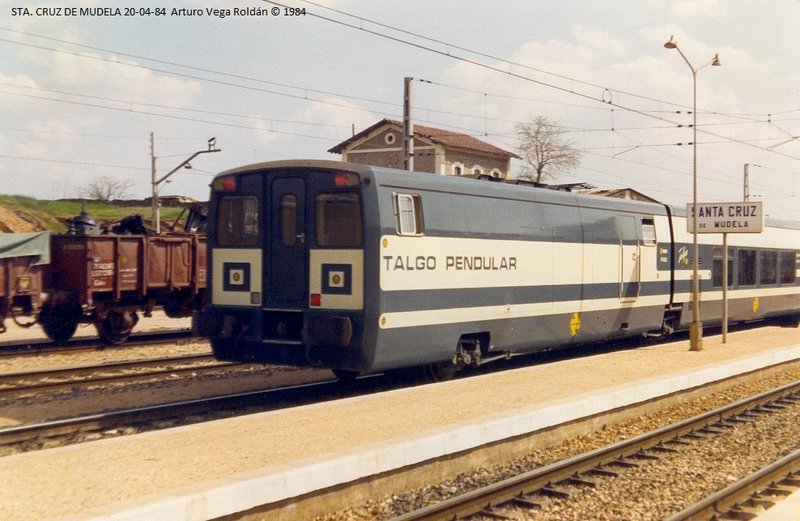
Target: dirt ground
13,221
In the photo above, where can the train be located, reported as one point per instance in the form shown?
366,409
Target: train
104,276
362,269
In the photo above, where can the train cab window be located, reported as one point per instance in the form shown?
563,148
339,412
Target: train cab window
237,221
716,270
786,267
288,207
408,214
338,219
747,267
648,232
768,274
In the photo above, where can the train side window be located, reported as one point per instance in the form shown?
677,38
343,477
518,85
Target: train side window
716,270
648,232
338,219
747,267
237,221
408,214
786,267
769,267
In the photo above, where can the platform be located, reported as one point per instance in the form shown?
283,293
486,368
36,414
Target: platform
217,468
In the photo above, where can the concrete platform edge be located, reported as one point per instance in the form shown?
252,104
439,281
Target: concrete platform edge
272,484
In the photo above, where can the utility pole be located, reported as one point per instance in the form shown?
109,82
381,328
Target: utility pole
408,127
212,147
747,182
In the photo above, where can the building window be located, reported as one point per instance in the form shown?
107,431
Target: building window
497,174
408,214
458,169
477,170
390,138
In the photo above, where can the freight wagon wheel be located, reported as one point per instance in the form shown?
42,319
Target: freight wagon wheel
60,322
116,327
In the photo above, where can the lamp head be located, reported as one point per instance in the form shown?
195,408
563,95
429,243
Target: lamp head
671,44
716,62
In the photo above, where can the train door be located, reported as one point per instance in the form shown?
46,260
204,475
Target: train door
286,283
630,261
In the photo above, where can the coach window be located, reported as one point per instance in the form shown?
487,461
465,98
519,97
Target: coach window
716,270
786,267
237,221
769,267
288,204
338,220
408,214
648,232
747,267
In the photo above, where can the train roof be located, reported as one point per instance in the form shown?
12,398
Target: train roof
462,185
467,185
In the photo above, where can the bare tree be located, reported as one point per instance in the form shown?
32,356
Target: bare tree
544,149
106,188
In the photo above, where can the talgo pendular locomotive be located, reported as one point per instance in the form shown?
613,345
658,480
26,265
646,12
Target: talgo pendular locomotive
364,269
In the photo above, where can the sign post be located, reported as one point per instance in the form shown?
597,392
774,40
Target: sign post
725,218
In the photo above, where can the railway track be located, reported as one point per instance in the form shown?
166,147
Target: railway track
180,412
116,372
529,490
749,496
37,347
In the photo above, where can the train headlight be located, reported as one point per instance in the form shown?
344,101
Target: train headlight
224,184
345,179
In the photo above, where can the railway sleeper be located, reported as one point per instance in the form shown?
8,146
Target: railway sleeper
758,502
661,447
526,501
776,490
645,455
742,513
555,491
491,511
580,481
604,472
625,462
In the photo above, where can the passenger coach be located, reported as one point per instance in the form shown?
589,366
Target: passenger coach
360,269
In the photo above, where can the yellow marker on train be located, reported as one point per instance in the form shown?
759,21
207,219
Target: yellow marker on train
574,324
755,305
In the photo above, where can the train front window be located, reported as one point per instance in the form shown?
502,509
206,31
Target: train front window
237,221
338,219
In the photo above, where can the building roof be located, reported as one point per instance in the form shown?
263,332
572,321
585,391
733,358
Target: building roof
446,138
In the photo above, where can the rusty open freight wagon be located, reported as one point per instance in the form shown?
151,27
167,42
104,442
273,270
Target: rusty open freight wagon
24,259
108,279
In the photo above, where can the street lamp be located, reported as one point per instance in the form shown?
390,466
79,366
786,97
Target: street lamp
696,327
212,147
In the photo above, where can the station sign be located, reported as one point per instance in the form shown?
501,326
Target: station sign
738,217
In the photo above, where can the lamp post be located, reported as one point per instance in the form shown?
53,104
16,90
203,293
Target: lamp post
696,327
212,147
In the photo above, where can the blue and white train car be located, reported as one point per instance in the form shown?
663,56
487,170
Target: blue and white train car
362,269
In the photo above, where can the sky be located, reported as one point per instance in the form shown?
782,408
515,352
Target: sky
81,93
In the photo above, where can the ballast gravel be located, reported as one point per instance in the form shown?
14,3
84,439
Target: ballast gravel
656,489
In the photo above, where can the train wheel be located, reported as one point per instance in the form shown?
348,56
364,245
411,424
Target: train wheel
116,327
60,322
440,371
344,375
